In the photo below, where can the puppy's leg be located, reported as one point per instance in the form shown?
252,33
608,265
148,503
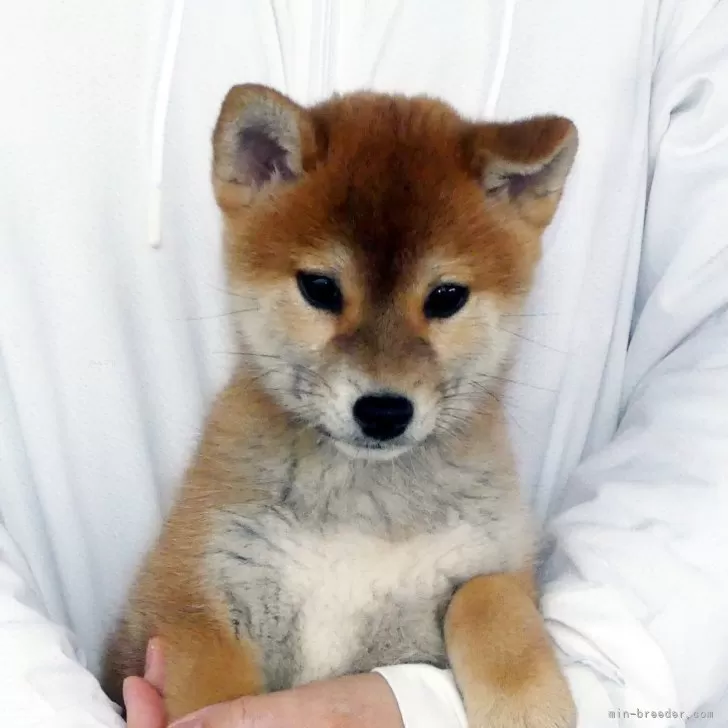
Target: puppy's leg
502,658
206,664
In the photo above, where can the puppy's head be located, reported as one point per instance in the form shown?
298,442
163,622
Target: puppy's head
378,242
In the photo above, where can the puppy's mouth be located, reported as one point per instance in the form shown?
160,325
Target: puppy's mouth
371,452
366,449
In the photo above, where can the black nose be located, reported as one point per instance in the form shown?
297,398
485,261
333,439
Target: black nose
383,416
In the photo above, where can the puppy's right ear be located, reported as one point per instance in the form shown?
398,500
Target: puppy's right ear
262,139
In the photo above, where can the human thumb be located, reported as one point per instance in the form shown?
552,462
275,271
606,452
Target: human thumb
144,706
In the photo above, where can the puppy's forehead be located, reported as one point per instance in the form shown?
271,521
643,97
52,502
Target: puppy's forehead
393,171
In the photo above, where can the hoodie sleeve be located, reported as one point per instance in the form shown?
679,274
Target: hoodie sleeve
636,585
42,678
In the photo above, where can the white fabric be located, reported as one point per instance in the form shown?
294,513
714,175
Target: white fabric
425,695
111,350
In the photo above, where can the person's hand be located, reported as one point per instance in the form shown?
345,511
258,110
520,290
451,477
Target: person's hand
356,701
143,696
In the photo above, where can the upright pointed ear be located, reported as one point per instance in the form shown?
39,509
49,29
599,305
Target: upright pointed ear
261,139
524,163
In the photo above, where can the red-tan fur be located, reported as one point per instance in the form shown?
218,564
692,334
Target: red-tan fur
390,191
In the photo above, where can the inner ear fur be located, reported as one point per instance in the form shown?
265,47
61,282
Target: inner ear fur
523,163
262,139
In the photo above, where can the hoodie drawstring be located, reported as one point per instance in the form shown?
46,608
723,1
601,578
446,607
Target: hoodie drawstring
159,122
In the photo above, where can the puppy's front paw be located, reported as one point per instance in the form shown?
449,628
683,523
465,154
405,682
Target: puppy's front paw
502,657
538,706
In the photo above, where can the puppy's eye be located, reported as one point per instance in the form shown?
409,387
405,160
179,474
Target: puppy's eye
320,291
445,300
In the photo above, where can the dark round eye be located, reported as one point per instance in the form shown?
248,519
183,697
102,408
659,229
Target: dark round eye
320,291
445,300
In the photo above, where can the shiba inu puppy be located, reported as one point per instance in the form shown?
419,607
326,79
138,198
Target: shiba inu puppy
353,501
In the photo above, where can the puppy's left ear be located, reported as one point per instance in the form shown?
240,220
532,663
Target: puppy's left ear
524,164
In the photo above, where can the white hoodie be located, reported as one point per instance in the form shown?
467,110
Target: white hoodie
113,339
